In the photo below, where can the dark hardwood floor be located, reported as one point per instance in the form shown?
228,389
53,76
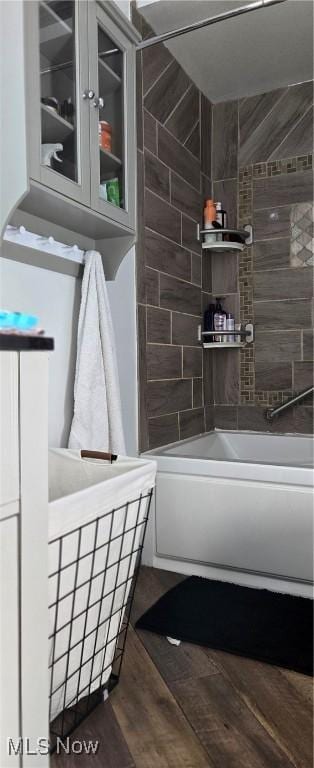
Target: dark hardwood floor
190,707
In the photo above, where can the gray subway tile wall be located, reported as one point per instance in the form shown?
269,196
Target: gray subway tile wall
150,132
198,400
225,140
164,95
165,397
155,61
272,222
185,198
274,174
179,296
191,423
152,286
275,191
196,266
286,284
225,273
163,362
193,142
271,254
189,239
263,140
158,326
163,430
226,417
283,315
174,174
253,110
280,346
273,376
162,217
178,158
192,362
184,329
300,138
206,137
166,256
257,151
185,115
302,375
157,176
308,345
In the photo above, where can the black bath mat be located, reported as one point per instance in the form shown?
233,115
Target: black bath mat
249,622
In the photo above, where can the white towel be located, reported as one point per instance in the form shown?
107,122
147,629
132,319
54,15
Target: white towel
97,420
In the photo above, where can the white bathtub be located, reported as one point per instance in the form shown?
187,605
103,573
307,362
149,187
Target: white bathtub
236,506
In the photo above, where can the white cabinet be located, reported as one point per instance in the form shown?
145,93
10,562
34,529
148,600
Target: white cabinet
81,96
23,552
9,439
9,640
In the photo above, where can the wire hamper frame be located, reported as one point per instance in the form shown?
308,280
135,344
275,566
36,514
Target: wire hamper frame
88,695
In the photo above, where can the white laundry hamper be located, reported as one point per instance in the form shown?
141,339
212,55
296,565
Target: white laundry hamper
98,511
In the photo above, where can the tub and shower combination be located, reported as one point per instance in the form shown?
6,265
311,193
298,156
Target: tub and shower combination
236,506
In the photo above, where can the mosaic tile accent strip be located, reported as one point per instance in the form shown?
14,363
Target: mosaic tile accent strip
290,165
302,240
271,399
245,213
279,167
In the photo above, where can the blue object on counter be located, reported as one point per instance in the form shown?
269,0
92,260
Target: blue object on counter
17,321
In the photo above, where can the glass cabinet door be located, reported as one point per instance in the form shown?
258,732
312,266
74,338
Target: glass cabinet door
61,96
110,105
110,57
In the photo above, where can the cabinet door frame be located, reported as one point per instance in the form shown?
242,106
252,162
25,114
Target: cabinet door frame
78,191
126,216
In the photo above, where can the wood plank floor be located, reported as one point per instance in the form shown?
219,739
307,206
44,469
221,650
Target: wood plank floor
190,707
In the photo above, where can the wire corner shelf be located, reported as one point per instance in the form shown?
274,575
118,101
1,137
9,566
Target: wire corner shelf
241,337
219,240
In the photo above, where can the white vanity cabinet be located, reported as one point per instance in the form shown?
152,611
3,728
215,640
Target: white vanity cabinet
9,554
23,550
80,86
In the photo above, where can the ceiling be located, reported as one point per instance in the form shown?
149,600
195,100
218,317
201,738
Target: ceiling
256,52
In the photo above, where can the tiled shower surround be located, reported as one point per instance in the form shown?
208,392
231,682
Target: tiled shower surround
174,176
265,178
253,155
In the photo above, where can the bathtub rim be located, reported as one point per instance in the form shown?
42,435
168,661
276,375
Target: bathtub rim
161,450
241,470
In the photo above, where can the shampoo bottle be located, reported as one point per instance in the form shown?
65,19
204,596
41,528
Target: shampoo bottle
221,215
219,321
230,327
209,217
209,322
221,218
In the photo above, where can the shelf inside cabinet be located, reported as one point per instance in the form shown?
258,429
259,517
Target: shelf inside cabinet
109,81
50,17
56,36
54,127
108,162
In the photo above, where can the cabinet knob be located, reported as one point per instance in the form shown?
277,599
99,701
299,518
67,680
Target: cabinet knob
98,102
87,94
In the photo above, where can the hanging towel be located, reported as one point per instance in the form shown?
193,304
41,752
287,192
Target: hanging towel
97,420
